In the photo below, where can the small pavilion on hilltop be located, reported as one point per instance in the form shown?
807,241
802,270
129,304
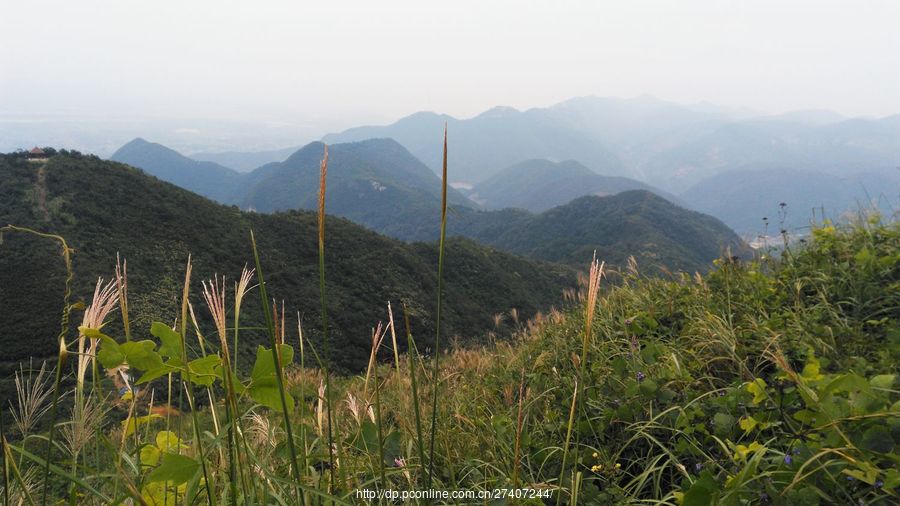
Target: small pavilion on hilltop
37,154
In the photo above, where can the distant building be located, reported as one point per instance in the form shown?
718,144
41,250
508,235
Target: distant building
37,155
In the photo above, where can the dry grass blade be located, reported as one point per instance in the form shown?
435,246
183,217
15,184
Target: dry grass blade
214,296
32,393
105,299
323,173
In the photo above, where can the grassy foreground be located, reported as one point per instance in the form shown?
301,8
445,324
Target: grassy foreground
765,382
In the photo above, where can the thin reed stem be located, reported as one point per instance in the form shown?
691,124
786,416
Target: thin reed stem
279,371
437,332
63,330
326,347
413,372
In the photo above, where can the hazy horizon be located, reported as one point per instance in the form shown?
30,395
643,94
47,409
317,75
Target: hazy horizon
250,76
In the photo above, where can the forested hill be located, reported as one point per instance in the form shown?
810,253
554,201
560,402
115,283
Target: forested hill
103,208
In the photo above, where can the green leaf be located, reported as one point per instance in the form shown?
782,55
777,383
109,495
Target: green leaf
156,372
757,387
268,396
884,381
701,492
723,423
109,355
203,370
265,365
175,468
149,455
811,369
171,340
748,423
648,387
140,355
168,441
877,439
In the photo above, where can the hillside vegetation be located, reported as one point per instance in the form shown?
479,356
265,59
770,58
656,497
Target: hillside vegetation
764,382
380,185
375,183
104,208
660,235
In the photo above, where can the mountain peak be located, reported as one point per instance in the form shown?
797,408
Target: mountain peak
500,111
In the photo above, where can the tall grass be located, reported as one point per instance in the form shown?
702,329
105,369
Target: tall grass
706,389
323,178
435,372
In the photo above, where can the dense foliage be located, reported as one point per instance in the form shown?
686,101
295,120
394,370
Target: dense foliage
103,209
764,382
661,235
380,185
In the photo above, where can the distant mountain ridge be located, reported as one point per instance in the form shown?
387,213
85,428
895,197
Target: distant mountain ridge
670,145
376,183
379,184
538,185
206,178
245,161
743,198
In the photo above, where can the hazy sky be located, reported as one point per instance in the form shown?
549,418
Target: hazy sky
346,62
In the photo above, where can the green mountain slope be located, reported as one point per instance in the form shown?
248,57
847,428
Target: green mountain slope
103,208
376,183
659,234
206,178
380,185
538,185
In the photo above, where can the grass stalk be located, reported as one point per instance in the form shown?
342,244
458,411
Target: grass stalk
279,371
189,385
569,425
5,466
413,372
375,342
394,338
63,330
437,333
326,348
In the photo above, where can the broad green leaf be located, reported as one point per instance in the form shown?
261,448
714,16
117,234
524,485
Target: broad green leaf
723,423
149,455
884,381
811,369
168,441
701,492
877,439
156,372
140,355
203,370
265,365
757,387
741,451
109,355
748,423
268,396
171,340
174,468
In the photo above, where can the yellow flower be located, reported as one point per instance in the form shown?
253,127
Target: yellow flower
595,455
